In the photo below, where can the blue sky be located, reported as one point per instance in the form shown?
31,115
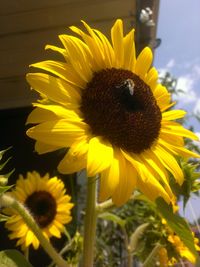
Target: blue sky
179,53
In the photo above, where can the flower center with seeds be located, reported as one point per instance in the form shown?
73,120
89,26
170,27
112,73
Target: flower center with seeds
120,106
42,206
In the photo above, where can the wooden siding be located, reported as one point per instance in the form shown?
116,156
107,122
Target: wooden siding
27,26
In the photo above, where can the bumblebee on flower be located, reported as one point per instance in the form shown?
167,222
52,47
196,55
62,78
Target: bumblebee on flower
106,105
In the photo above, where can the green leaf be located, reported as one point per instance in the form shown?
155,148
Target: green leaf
13,258
150,260
177,224
198,263
3,189
112,217
136,235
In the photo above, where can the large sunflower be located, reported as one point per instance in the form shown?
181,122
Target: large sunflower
108,107
46,200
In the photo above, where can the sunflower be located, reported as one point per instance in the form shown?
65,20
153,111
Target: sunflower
181,249
49,205
108,108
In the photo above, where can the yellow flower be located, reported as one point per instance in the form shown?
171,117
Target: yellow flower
163,257
46,200
108,107
183,251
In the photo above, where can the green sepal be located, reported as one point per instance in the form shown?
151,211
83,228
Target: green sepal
190,184
3,189
177,224
13,258
2,152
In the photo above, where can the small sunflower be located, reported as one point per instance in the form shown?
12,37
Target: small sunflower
107,106
181,249
49,205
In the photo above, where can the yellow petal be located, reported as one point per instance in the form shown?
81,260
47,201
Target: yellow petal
150,159
173,114
54,231
99,46
146,180
43,148
177,129
61,70
179,150
169,162
77,55
143,62
127,183
60,133
117,40
172,139
100,156
76,158
29,238
97,61
44,113
153,190
110,178
54,89
57,49
163,97
185,253
35,242
152,78
107,49
157,169
129,51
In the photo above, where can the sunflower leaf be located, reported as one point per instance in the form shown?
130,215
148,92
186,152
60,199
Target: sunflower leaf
177,224
13,258
136,235
112,217
150,260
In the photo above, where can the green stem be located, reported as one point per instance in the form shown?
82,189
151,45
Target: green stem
151,256
26,254
128,248
28,219
90,223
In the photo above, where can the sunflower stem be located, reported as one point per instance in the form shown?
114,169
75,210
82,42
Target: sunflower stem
8,201
90,223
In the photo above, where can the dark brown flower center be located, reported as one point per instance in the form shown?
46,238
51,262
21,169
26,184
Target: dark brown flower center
120,106
42,206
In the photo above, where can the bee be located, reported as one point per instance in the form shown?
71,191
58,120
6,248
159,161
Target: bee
127,85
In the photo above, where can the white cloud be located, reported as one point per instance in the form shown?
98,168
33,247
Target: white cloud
187,93
188,82
170,64
196,70
197,107
197,143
